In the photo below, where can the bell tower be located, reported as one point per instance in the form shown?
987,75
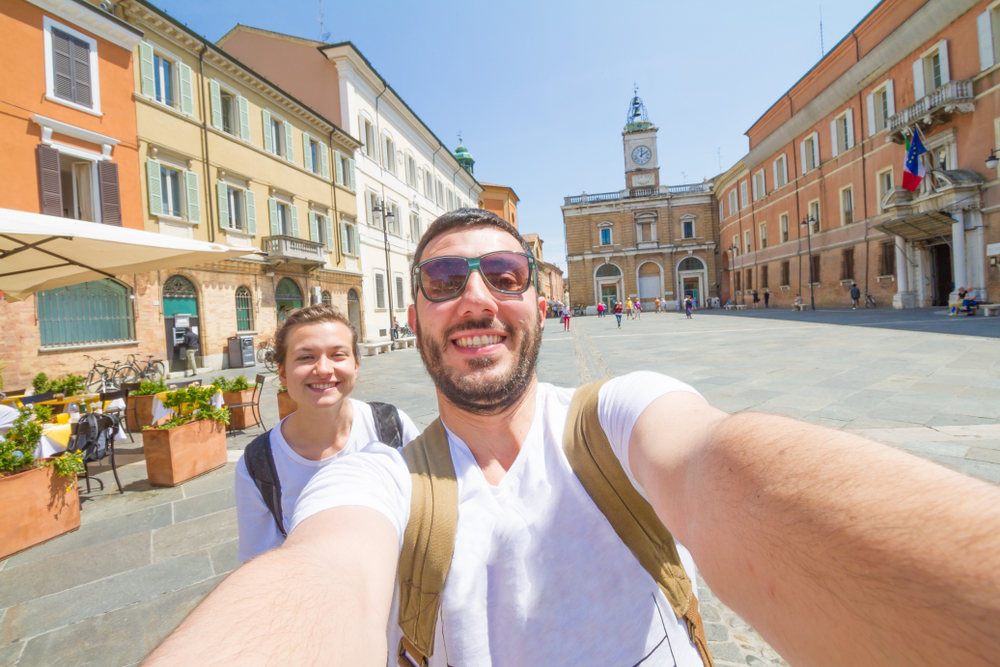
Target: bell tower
639,140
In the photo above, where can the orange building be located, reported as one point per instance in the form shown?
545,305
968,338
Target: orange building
550,276
501,200
68,140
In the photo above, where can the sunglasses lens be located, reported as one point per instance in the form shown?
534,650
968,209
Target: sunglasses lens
443,278
506,272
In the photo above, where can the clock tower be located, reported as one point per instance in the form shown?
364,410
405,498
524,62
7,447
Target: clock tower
639,139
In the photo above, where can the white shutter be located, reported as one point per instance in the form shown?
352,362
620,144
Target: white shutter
985,40
146,69
251,201
324,161
295,220
244,119
338,168
890,99
943,56
350,169
833,137
313,227
187,92
756,194
850,128
193,198
918,79
870,102
153,187
289,149
357,240
272,211
344,242
784,168
815,138
306,153
215,95
774,174
328,223
268,141
802,156
223,194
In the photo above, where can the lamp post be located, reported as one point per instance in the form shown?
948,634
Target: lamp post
380,210
808,223
732,250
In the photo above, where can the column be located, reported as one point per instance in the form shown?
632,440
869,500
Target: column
958,251
902,269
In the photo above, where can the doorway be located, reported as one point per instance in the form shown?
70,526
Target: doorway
288,297
354,310
609,295
941,280
180,298
692,288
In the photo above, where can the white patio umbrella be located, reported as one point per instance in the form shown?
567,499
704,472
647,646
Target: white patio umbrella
40,252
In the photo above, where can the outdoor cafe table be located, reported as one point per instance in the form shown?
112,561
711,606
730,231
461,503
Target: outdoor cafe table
55,439
160,410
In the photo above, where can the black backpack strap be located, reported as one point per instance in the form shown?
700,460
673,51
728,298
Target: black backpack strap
260,466
387,424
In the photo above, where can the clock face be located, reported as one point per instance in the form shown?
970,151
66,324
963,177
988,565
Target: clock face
641,155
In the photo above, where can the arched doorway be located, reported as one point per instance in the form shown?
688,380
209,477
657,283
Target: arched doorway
607,284
180,310
354,310
287,297
650,284
692,279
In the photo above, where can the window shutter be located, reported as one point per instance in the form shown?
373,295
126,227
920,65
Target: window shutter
153,187
62,65
289,150
870,103
918,79
338,168
850,128
146,69
313,227
328,222
307,158
272,209
357,241
815,148
251,202
943,56
295,220
223,193
187,92
344,242
81,76
49,183
784,168
215,95
193,199
774,174
890,98
268,142
324,161
244,119
350,169
802,156
833,137
985,40
756,195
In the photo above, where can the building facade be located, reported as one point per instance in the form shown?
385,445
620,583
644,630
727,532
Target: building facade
501,200
405,176
647,241
550,276
817,204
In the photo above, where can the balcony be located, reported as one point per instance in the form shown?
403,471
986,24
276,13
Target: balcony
635,193
952,97
292,250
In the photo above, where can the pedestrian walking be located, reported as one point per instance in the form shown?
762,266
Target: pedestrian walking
618,313
756,299
855,296
600,309
628,308
688,305
657,302
637,307
191,345
767,298
565,318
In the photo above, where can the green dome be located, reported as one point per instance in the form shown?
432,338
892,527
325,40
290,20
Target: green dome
464,158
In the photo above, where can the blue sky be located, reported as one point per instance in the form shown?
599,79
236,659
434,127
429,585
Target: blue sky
540,88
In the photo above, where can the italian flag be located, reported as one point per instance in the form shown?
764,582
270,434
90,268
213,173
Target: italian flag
913,169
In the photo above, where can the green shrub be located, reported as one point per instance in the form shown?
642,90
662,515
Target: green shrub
238,383
40,383
150,387
199,404
71,385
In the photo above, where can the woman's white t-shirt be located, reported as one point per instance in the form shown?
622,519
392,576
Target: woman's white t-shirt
538,576
258,530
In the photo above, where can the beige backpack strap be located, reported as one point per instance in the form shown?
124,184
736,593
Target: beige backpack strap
426,555
633,518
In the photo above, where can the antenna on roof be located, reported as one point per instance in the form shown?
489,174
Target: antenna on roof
822,49
720,159
323,35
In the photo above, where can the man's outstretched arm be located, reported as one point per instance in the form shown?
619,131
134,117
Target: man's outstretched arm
322,598
838,550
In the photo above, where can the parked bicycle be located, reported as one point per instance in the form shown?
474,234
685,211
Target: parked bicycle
869,300
136,371
101,377
267,355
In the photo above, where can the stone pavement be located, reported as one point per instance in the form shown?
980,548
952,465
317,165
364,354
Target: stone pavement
108,593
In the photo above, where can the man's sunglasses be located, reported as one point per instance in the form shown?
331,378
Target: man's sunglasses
506,272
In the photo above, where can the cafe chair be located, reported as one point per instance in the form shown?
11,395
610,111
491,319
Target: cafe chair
94,437
119,412
37,398
254,404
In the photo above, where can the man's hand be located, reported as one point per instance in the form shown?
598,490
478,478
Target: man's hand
838,550
322,598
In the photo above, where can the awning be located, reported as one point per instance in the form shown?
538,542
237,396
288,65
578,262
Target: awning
40,252
934,225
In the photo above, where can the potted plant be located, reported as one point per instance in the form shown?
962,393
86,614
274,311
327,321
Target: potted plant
235,391
190,442
139,404
286,404
37,497
40,383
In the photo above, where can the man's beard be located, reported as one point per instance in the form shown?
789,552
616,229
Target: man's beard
481,396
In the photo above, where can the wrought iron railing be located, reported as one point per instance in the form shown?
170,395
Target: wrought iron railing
953,92
638,192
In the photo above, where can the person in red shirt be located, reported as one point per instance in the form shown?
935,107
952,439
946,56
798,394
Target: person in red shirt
618,313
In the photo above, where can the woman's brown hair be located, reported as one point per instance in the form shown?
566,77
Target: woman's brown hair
312,315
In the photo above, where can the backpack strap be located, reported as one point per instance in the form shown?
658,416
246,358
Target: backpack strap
388,424
633,518
426,555
260,465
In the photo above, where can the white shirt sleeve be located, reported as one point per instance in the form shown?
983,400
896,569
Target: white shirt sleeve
410,430
621,401
258,530
376,478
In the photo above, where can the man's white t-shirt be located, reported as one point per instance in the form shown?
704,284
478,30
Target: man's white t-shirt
538,576
258,530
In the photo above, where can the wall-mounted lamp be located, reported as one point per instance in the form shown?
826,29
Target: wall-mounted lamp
992,160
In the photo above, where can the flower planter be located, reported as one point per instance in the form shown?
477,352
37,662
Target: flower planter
143,415
286,405
34,508
240,418
173,456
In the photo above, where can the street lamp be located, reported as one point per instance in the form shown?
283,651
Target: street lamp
380,209
808,223
732,250
992,160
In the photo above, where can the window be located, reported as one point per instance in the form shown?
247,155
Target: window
283,219
763,277
842,132
368,138
847,206
244,309
814,269
396,227
229,111
415,232
722,210
748,239
931,70
881,107
411,171
736,245
988,24
343,169
733,207
428,184
887,259
170,191
749,279
372,201
743,194
313,158
785,271
763,235
277,135
227,104
389,154
71,67
400,296
759,185
440,193
321,229
94,312
163,79
606,236
380,302
737,277
237,208
687,229
349,237
814,216
780,171
847,264
810,152
784,227
884,181
645,229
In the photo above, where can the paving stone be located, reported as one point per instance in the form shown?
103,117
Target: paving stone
716,632
10,653
205,503
224,557
194,535
933,450
728,651
980,454
223,478
112,505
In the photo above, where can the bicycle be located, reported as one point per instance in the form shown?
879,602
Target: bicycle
134,371
869,300
267,355
101,377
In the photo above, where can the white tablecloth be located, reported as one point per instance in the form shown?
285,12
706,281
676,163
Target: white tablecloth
160,410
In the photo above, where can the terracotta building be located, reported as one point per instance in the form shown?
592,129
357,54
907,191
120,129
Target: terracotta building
499,199
817,205
649,240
